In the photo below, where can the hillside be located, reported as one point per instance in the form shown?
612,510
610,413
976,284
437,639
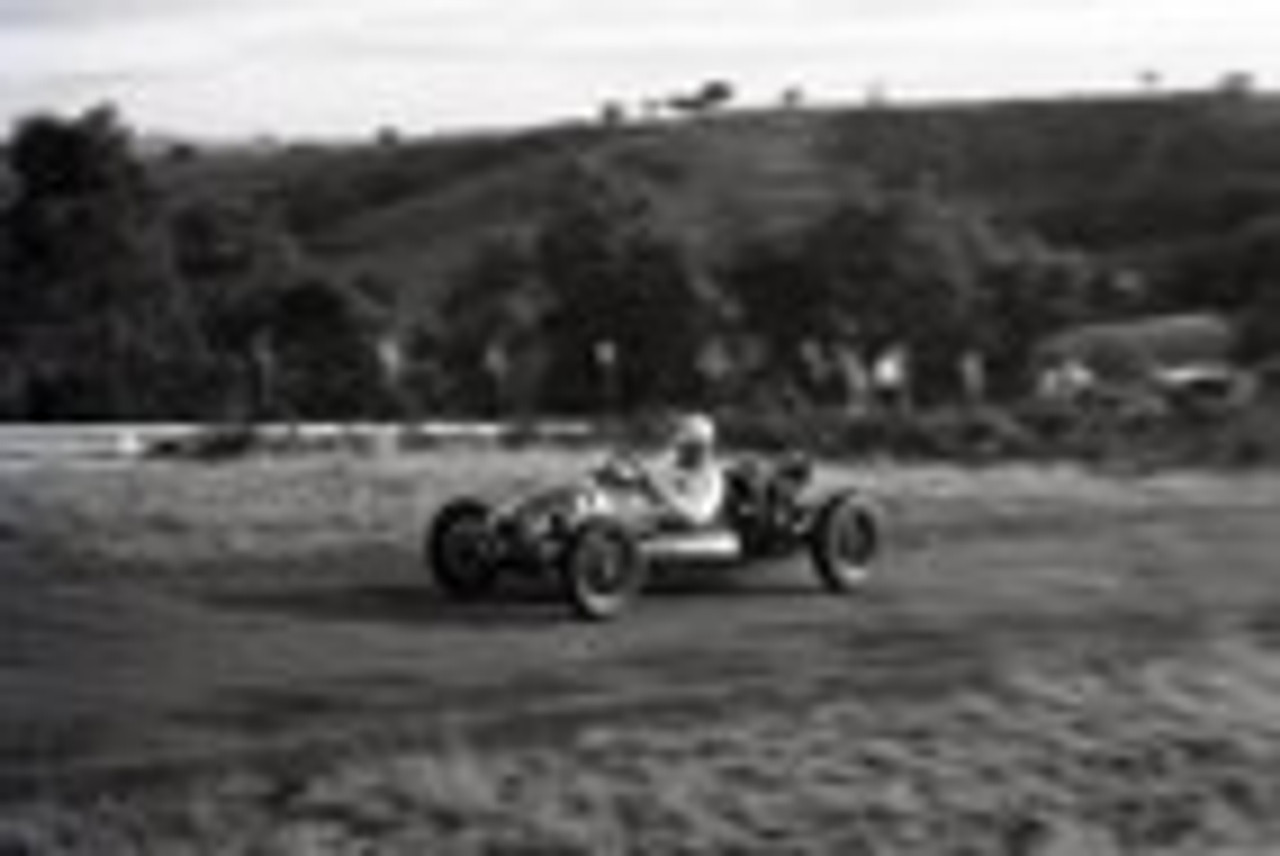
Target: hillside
1147,180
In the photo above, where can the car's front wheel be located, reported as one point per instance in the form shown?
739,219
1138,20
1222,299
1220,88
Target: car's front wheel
459,549
844,541
602,570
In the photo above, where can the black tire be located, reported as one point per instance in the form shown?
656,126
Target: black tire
844,541
458,550
602,570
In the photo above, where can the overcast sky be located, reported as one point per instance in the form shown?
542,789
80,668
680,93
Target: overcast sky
305,67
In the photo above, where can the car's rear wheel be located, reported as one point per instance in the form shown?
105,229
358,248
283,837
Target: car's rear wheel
602,569
459,550
844,541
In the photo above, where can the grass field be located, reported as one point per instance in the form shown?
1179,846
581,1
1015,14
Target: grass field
1092,672
182,517
1178,757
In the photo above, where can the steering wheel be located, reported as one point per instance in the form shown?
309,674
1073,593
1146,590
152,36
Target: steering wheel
623,470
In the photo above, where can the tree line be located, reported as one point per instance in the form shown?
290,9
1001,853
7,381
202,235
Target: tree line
122,302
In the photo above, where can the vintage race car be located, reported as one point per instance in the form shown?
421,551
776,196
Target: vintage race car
601,561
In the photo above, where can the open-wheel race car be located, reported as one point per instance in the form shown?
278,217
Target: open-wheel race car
601,560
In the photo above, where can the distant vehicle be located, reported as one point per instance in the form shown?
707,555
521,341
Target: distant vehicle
1158,362
601,560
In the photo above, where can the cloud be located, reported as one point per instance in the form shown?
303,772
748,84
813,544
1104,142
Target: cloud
94,14
335,65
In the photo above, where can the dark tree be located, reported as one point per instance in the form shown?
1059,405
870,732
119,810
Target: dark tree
886,271
235,259
96,320
625,316
783,304
1028,294
880,271
490,345
319,340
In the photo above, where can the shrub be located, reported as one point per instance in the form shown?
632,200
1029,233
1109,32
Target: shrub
215,443
959,433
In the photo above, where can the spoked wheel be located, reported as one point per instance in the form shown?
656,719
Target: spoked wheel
602,570
844,541
458,550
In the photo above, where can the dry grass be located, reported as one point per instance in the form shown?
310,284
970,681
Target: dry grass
1176,757
159,513
1070,751
190,516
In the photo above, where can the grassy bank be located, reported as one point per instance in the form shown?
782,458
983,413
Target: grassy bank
1057,758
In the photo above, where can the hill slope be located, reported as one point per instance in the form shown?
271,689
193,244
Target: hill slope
1147,179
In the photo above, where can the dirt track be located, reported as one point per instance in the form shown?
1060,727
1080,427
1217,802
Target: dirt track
107,679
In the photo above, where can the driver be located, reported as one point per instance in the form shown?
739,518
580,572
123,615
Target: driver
683,485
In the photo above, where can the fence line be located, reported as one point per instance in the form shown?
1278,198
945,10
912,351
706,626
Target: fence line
121,440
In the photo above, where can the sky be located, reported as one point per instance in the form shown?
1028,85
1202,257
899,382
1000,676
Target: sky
308,68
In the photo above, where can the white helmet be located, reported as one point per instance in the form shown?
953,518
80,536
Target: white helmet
694,429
